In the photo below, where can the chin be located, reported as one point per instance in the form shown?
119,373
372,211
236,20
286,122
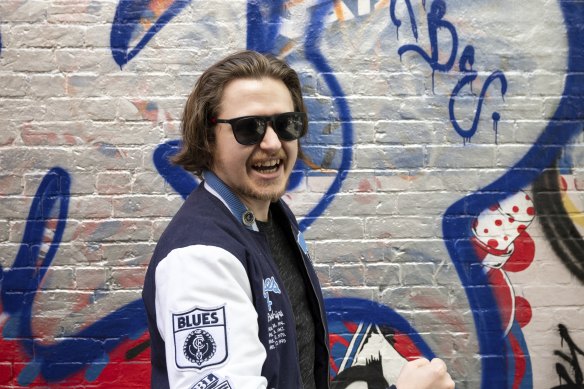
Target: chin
266,194
272,196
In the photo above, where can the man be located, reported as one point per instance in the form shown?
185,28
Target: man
231,295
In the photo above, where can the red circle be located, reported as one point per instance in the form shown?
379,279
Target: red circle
493,243
523,312
498,222
523,254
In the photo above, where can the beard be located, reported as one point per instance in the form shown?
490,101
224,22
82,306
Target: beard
267,192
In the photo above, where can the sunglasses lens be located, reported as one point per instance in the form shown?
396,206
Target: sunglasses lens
289,126
249,131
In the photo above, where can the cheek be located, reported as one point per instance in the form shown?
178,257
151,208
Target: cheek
237,159
293,152
227,153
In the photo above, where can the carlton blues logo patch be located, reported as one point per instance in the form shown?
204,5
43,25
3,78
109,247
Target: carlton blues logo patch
200,338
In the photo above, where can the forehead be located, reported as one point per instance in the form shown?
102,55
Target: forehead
255,96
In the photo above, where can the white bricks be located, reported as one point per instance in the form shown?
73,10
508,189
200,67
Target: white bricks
65,103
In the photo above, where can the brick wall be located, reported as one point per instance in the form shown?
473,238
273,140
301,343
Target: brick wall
440,196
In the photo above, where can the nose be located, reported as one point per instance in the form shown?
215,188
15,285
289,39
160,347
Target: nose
270,141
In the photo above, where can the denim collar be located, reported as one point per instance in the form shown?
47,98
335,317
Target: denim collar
237,208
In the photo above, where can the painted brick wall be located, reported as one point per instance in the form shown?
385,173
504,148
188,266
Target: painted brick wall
441,195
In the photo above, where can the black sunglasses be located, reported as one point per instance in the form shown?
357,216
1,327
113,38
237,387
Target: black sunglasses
250,130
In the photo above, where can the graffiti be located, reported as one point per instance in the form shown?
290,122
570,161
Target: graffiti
552,202
467,80
574,378
436,22
397,22
20,284
369,343
486,239
263,17
264,23
503,244
133,16
371,373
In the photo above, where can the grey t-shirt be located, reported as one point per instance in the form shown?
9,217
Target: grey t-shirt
285,254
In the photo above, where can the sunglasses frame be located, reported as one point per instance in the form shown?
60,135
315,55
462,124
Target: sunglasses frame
267,119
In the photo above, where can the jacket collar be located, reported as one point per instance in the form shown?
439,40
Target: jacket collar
218,188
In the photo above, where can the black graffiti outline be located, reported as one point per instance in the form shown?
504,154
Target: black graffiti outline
573,362
370,373
558,227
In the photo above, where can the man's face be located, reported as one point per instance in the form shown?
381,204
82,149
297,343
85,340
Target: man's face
258,174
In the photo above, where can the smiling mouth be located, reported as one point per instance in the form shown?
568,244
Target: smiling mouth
271,166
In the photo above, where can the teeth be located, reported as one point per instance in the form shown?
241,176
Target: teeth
267,166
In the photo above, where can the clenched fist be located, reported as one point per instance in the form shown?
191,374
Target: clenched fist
423,374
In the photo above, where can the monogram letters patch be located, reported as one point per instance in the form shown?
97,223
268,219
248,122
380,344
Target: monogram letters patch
212,381
200,338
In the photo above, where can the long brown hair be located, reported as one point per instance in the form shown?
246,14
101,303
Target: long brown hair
204,102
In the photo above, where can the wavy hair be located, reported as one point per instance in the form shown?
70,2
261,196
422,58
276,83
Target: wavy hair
198,134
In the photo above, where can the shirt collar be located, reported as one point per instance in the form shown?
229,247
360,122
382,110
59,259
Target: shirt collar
230,199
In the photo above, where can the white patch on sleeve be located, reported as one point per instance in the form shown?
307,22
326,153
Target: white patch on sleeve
200,338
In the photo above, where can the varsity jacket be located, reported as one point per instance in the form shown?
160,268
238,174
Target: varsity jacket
218,314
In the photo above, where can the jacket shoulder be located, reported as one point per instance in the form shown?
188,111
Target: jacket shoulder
201,220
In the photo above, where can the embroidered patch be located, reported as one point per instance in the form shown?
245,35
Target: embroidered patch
270,285
200,338
211,381
276,320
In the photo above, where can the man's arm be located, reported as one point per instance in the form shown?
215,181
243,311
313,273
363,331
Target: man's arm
205,314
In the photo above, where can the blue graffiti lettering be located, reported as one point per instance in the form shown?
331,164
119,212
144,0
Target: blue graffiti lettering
466,62
436,22
397,22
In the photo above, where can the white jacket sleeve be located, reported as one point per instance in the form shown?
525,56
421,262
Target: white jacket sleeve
206,316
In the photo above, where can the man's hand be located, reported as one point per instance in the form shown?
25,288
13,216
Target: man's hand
423,374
